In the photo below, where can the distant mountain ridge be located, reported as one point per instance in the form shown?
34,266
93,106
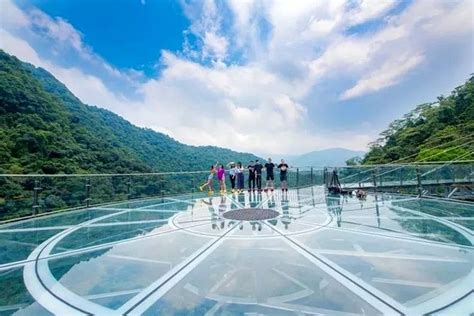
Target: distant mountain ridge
333,157
44,128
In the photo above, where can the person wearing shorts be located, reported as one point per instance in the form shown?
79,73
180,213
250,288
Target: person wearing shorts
283,175
269,166
210,179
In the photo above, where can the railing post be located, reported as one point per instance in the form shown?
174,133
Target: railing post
36,190
453,173
469,175
312,181
379,176
401,176
297,177
324,177
418,181
129,187
374,178
161,190
88,192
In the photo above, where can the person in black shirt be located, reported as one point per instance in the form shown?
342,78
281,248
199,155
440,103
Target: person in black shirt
283,175
258,174
269,166
251,168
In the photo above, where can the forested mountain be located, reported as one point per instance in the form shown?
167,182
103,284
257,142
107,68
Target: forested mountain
44,128
438,131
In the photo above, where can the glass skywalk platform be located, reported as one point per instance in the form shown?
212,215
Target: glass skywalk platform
299,253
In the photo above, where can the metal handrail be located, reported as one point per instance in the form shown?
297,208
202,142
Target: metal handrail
59,175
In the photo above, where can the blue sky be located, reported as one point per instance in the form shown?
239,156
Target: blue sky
270,77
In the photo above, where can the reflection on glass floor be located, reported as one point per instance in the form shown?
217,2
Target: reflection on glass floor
320,255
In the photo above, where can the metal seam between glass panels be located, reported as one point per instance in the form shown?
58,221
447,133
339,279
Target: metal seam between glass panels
335,270
190,263
181,269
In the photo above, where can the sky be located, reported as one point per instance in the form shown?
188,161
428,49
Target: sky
263,76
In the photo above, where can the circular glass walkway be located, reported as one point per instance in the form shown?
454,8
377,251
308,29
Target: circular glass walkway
301,252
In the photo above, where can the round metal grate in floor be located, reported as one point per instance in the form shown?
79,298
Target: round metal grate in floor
251,214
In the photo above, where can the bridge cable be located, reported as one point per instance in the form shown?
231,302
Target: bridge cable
400,159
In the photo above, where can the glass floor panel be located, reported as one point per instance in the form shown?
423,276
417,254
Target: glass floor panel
423,228
60,219
117,273
405,279
138,216
17,245
98,235
258,276
315,254
14,296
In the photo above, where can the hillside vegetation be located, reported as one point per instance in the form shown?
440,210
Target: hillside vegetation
438,131
44,128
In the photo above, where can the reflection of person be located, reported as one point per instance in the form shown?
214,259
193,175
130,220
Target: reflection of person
285,218
251,169
269,166
253,199
212,211
271,201
334,206
222,205
241,199
283,175
258,174
256,225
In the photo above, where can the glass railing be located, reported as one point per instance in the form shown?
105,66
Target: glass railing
437,179
26,195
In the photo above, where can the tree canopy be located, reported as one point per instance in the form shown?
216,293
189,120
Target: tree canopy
46,129
439,131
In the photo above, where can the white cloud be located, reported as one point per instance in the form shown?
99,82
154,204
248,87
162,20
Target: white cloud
20,48
12,16
88,88
206,26
58,35
59,30
369,9
389,74
261,104
383,59
215,45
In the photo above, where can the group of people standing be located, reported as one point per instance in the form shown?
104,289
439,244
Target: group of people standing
236,174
